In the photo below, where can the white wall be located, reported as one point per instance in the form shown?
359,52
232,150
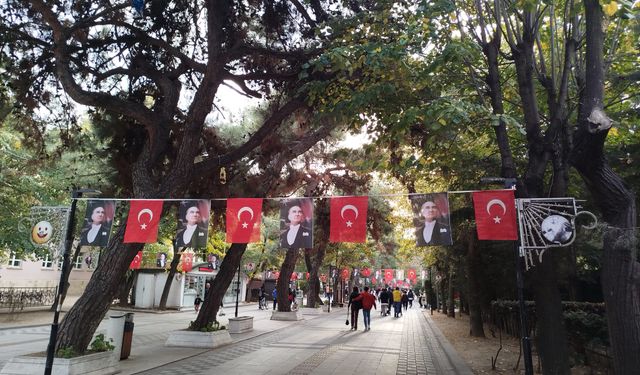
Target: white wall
31,274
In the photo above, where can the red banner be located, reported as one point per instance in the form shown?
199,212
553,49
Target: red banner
495,214
243,220
348,219
344,274
411,274
365,272
142,223
388,275
136,262
187,262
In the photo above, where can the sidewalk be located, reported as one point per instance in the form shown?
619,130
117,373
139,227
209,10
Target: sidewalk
320,344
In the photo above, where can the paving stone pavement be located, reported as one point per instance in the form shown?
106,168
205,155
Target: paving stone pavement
410,344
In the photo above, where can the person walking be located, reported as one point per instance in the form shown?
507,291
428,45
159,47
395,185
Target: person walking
397,302
410,296
368,301
385,306
355,306
197,302
274,294
405,300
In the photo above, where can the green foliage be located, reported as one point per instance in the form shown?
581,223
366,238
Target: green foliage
100,344
68,352
210,327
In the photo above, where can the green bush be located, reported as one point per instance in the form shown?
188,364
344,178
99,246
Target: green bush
100,344
66,353
210,327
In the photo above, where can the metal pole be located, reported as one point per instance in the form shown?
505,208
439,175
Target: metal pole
71,219
238,288
524,331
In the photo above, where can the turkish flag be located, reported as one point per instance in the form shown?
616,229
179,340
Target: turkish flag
323,277
142,223
348,219
365,272
187,262
243,220
388,274
345,274
137,260
495,214
294,276
411,274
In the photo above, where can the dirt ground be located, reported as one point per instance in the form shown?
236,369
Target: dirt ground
478,352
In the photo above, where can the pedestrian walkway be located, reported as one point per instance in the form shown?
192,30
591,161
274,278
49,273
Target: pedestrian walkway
325,345
320,344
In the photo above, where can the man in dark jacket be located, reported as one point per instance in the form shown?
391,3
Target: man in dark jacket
385,298
355,307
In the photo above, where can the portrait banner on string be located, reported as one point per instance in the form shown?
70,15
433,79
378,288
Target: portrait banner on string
97,223
296,223
431,219
193,223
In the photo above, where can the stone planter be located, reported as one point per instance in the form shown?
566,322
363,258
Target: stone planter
102,363
241,324
311,310
287,315
197,339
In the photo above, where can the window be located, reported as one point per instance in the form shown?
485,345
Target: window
15,262
47,263
78,263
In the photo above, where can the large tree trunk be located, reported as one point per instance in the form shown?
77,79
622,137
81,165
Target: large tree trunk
83,318
474,268
167,284
620,268
314,257
451,311
551,335
125,288
212,300
313,266
283,282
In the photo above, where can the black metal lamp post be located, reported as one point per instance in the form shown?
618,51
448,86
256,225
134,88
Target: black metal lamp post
71,222
509,183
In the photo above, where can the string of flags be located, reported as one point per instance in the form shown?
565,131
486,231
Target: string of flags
495,213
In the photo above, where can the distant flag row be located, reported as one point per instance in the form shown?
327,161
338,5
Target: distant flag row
388,276
494,210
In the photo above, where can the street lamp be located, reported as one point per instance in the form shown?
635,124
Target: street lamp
71,223
509,183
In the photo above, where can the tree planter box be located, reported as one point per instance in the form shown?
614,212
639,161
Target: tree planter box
287,315
196,339
102,363
241,324
311,310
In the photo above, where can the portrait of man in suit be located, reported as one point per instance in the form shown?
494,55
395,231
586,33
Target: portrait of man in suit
296,225
432,227
193,222
98,220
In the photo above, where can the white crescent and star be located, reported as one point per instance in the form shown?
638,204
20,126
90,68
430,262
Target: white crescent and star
245,225
142,212
500,203
346,208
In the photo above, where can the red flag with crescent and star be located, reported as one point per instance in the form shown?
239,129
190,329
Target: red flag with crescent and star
136,262
345,274
142,223
388,275
348,219
244,216
411,274
187,262
495,214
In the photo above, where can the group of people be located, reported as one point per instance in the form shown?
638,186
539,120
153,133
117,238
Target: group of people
399,299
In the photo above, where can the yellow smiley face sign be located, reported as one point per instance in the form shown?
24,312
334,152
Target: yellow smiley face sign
41,232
